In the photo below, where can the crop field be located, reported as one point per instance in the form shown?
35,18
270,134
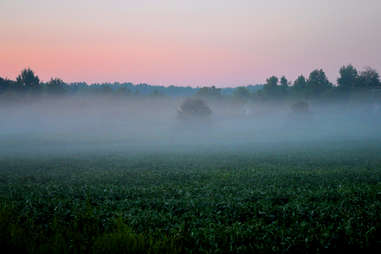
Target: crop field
273,198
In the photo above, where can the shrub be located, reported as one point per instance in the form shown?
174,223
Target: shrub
194,108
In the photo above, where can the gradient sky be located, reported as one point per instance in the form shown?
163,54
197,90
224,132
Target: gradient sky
193,42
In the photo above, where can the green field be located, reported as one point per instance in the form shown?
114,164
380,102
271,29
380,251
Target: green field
273,198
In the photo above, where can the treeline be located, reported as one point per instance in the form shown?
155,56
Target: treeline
350,84
29,83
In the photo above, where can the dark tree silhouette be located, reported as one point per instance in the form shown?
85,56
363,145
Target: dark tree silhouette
369,78
272,82
3,84
299,88
56,86
300,83
317,83
361,86
283,84
271,88
27,79
348,77
209,92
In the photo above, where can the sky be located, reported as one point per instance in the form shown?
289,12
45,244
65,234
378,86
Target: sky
187,43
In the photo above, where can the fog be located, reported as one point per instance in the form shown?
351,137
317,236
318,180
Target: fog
107,124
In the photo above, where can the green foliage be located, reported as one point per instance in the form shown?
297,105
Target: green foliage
124,240
284,199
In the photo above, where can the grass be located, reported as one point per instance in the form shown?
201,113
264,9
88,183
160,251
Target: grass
284,198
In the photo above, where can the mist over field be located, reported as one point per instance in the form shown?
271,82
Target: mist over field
81,124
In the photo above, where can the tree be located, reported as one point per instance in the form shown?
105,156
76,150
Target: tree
27,79
300,83
348,77
299,87
318,83
55,86
283,84
271,87
194,108
209,92
283,81
3,85
369,78
272,81
241,93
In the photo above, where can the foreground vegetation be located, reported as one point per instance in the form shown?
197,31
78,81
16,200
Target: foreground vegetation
283,199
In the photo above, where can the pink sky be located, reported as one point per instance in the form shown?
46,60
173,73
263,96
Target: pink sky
215,42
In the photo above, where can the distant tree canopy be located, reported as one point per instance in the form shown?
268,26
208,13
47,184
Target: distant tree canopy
317,83
241,94
348,77
2,83
271,82
369,78
55,86
275,88
271,88
317,86
284,84
300,83
27,79
209,92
